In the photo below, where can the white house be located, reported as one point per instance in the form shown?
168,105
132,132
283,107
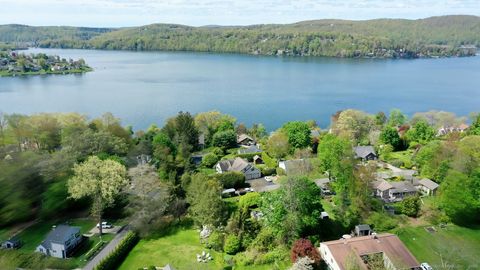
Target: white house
339,254
61,241
238,165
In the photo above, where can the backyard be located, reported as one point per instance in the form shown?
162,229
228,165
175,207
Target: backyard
453,244
178,249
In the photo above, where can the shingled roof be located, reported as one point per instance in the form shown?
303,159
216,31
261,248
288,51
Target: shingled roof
60,235
364,151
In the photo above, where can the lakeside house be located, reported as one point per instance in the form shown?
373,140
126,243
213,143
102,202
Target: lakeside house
395,191
365,251
238,165
245,140
447,130
61,241
365,153
295,166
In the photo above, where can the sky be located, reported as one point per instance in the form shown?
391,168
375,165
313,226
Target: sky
120,13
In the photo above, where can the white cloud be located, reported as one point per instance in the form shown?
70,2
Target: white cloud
203,12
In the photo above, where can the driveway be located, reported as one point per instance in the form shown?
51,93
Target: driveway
106,250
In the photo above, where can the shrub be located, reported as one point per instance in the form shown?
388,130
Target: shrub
218,152
276,255
268,171
397,163
280,171
215,241
231,179
410,206
225,139
232,244
115,258
265,240
304,248
209,160
247,156
382,222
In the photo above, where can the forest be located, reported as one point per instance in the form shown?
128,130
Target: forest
443,36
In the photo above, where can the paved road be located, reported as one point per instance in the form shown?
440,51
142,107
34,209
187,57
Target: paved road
106,250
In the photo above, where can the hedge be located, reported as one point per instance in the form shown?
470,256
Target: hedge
115,258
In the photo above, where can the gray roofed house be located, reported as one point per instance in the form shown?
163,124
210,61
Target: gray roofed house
362,230
250,149
365,152
427,186
12,243
393,191
238,165
61,241
295,166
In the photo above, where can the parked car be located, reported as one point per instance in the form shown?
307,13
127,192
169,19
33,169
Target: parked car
268,178
425,266
105,225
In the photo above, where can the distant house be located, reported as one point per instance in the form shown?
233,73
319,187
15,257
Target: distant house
12,243
446,130
61,241
366,250
393,191
426,186
245,140
238,165
257,160
295,166
250,149
365,153
201,141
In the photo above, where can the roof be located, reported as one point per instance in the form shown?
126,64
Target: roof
381,185
250,149
364,151
315,133
428,184
321,182
236,165
363,227
201,138
257,157
296,166
243,137
403,186
168,267
387,243
60,235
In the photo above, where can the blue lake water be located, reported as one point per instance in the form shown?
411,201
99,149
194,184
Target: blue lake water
147,87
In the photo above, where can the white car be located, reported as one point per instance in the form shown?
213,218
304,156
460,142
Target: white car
425,266
105,225
268,178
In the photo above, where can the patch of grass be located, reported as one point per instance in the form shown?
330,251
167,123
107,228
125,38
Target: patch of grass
457,245
405,156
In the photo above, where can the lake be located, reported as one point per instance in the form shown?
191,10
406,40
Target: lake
147,87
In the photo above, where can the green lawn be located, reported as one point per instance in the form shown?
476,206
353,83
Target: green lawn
405,156
458,245
178,249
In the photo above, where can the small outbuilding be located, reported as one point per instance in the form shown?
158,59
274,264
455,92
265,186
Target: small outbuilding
365,153
12,243
363,230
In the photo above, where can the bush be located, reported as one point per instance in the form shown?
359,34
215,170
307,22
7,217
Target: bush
247,156
225,139
410,206
280,171
382,222
218,152
397,163
304,248
215,241
276,255
265,240
116,257
268,171
231,179
209,160
232,244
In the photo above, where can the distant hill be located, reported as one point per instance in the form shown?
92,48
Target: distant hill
457,35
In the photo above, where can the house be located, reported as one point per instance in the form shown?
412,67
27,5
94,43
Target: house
363,230
324,215
238,165
324,185
61,241
245,140
393,191
295,166
250,149
426,186
12,243
446,130
365,153
201,141
365,250
257,160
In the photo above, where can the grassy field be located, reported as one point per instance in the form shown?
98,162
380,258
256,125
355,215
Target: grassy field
458,246
178,249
